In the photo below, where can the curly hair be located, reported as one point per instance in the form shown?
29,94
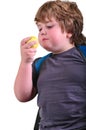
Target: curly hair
67,14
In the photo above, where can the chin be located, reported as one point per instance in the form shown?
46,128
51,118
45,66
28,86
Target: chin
48,49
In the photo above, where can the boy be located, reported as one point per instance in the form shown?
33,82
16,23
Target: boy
61,83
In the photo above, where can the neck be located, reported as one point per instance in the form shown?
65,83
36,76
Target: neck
66,48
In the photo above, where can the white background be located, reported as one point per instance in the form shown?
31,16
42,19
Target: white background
17,22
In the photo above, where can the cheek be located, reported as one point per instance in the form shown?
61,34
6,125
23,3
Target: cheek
53,35
39,39
54,38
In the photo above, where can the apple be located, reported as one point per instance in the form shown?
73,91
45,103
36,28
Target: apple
33,38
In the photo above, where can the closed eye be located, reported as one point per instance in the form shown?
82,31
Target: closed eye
50,26
39,29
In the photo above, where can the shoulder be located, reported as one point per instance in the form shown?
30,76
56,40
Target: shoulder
39,61
82,50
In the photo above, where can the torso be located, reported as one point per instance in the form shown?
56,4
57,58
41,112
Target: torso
62,91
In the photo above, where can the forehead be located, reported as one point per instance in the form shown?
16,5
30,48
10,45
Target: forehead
52,20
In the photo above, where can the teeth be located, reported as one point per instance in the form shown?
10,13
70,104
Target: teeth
33,38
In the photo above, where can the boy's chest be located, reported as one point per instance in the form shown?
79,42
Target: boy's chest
60,72
57,81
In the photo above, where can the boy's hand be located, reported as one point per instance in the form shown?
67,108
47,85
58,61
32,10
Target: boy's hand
27,50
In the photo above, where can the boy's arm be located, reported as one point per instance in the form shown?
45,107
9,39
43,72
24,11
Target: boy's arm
23,86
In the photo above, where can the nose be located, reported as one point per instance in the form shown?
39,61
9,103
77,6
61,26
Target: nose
43,31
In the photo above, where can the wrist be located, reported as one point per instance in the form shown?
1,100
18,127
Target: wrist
28,62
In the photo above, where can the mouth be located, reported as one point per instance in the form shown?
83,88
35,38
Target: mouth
44,39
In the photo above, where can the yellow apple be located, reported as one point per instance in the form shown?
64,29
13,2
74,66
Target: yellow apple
33,38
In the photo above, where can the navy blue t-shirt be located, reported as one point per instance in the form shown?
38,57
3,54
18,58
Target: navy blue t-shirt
61,87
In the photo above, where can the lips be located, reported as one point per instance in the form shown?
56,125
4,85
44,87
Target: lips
44,39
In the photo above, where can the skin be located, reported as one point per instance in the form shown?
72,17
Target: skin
51,38
23,87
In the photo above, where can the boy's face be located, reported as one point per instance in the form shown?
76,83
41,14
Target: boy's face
51,37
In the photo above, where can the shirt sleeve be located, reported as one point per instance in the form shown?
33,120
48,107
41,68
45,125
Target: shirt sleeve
34,74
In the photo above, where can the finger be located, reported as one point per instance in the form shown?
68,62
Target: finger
24,41
30,45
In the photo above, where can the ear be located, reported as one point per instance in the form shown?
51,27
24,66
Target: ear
69,35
